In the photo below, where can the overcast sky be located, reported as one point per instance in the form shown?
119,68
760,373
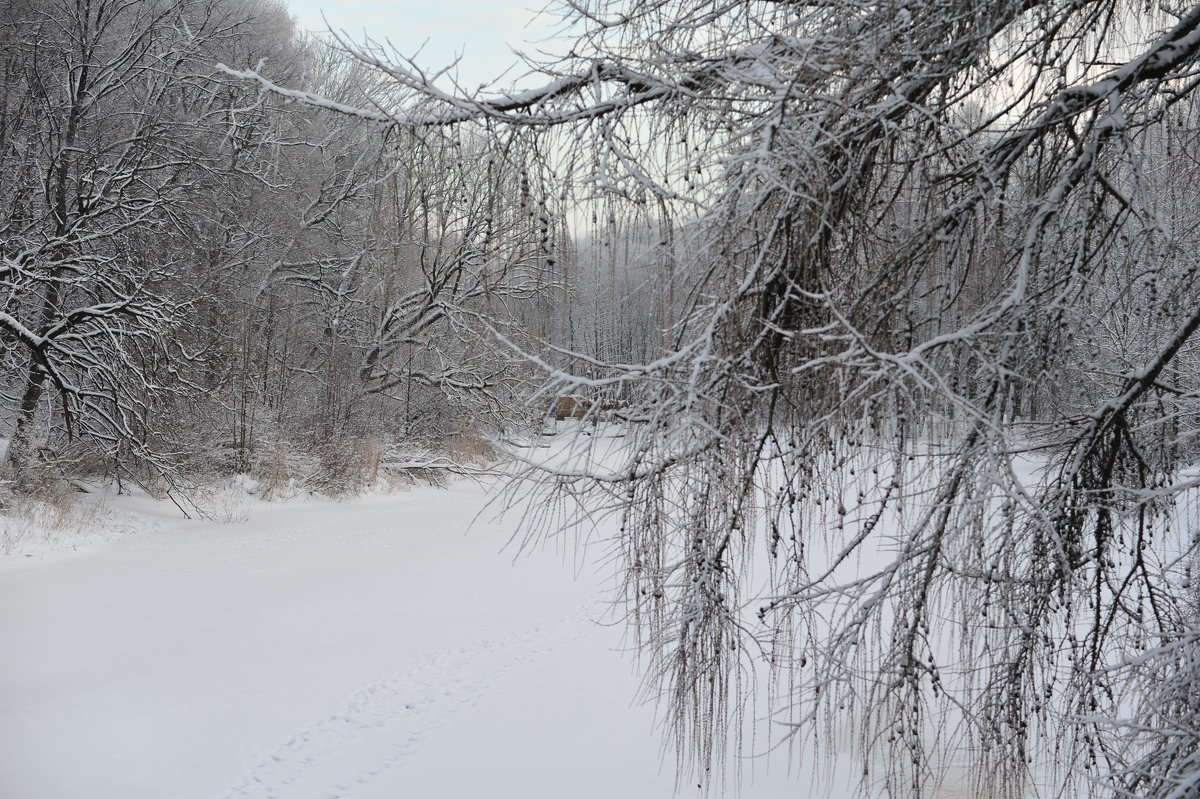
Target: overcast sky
483,32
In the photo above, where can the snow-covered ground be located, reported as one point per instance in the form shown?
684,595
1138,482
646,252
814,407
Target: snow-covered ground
374,648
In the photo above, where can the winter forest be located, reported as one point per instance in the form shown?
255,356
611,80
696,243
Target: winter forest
873,324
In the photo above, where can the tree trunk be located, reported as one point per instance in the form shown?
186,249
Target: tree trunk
20,449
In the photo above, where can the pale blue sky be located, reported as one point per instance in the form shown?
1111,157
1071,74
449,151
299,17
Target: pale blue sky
482,31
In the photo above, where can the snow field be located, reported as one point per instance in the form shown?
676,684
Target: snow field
323,649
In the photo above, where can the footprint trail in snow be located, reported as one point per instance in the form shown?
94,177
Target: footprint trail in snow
384,723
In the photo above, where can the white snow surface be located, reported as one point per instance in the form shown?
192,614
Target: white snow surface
375,648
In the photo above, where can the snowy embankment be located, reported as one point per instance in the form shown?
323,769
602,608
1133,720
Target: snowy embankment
368,649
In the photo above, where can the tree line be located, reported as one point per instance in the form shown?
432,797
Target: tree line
200,276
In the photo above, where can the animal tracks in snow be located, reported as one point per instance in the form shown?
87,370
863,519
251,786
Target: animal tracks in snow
383,724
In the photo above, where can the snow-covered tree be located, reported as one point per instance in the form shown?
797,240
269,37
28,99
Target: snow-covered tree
112,151
931,368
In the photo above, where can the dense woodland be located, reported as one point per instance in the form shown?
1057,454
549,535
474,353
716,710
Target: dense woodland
201,278
909,284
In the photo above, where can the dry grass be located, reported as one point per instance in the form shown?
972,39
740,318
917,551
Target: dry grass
42,511
347,467
469,448
278,474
